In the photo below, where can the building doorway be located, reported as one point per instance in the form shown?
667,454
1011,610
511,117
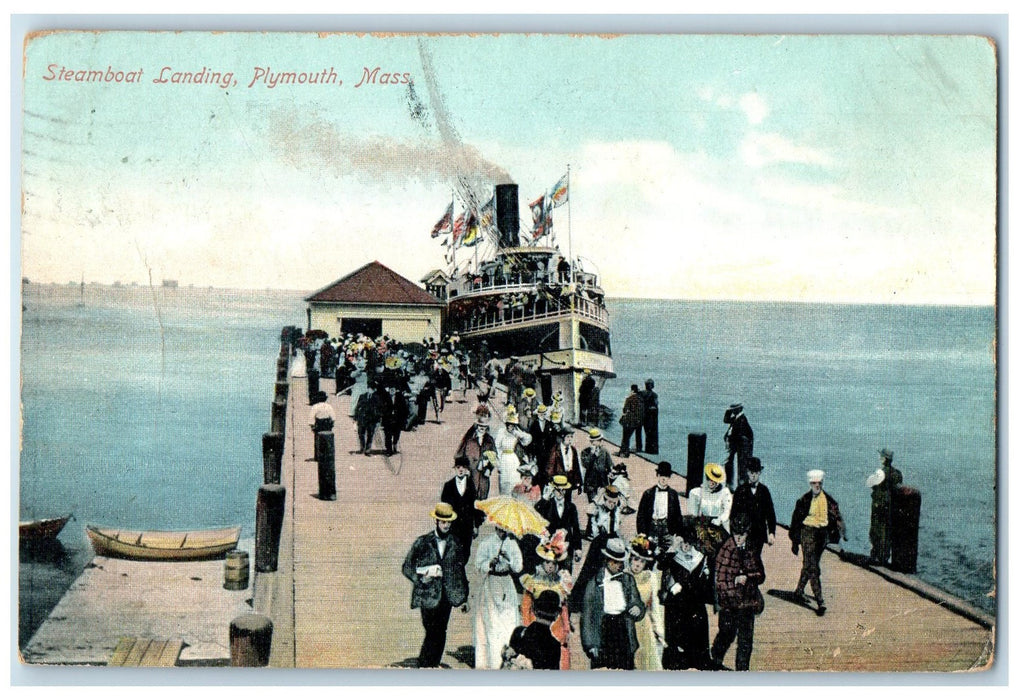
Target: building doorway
371,327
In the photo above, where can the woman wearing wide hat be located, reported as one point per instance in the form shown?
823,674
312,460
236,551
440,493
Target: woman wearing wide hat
650,630
549,576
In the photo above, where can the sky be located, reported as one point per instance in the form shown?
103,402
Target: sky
802,168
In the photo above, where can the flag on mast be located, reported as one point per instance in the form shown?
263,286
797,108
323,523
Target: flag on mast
443,225
560,192
541,212
459,226
471,230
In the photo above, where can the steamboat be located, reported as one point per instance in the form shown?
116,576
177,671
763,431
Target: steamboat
533,303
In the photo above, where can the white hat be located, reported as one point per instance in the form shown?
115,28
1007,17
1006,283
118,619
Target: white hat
876,478
815,475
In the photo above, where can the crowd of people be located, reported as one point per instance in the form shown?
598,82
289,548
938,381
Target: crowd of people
630,603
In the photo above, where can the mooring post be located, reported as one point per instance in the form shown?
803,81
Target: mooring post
905,534
282,391
272,457
268,526
250,640
278,422
312,385
325,453
696,444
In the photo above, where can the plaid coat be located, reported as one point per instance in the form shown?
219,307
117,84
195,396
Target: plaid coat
733,561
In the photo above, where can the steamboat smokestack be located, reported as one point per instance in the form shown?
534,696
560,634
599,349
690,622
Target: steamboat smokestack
507,215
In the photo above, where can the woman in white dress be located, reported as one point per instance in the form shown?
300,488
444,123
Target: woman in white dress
506,439
497,613
360,385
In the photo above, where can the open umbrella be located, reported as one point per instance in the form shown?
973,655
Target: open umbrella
512,515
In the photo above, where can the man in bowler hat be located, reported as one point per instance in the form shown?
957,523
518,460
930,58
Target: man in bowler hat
754,500
435,565
659,514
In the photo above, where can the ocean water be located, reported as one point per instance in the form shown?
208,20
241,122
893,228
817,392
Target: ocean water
145,408
827,386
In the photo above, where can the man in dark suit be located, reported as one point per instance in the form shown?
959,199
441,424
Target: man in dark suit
739,441
612,604
754,499
659,514
561,514
435,565
460,493
650,418
367,413
542,441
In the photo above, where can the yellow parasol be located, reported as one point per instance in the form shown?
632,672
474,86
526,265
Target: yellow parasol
512,515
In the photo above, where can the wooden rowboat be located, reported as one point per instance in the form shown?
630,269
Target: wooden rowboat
43,529
156,545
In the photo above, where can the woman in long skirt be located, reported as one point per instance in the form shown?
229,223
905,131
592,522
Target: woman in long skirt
650,629
506,440
497,613
686,586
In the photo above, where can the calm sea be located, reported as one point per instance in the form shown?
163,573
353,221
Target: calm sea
146,408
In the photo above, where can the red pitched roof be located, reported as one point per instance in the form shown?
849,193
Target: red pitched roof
375,283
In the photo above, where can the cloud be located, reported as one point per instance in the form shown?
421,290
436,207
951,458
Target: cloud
754,106
762,149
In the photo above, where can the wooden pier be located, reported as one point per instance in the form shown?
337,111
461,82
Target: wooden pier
339,600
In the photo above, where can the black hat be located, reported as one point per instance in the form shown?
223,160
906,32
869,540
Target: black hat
664,469
754,465
740,524
548,605
320,396
650,383
461,461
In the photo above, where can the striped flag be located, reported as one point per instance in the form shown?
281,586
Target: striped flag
487,214
560,191
443,225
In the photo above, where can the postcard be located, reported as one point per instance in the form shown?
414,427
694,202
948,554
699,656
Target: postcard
500,351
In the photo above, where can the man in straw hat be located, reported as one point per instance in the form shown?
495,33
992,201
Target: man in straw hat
596,463
659,514
435,565
883,483
612,605
816,521
738,573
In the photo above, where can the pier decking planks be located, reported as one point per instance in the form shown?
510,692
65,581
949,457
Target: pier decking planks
350,604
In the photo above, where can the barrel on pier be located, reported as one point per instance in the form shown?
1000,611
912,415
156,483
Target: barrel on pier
696,445
236,570
905,534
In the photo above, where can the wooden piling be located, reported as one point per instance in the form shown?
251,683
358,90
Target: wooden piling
278,422
312,385
282,391
268,525
325,453
696,444
272,457
250,640
905,535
